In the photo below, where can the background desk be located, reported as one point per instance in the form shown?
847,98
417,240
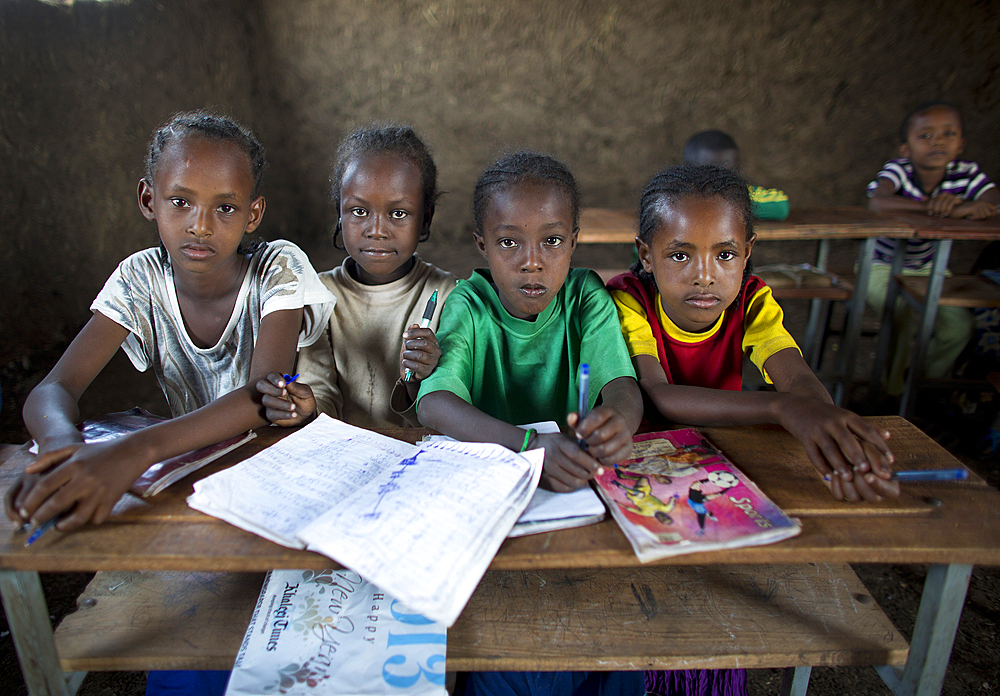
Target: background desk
166,535
606,226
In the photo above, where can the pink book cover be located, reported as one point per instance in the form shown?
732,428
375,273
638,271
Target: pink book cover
162,474
679,494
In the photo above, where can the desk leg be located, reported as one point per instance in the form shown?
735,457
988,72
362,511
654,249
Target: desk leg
818,313
852,332
938,268
934,633
31,629
887,319
795,681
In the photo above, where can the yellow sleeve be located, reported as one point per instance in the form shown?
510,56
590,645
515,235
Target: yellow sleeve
635,326
764,331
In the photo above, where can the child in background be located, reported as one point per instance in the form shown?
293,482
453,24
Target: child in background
384,189
927,177
208,311
719,148
690,310
512,339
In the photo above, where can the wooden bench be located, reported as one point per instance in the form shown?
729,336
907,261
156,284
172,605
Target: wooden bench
715,616
957,291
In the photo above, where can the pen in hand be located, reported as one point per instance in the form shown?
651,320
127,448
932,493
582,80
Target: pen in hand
425,322
583,404
290,378
40,530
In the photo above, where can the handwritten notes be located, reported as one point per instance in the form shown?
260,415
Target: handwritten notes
422,523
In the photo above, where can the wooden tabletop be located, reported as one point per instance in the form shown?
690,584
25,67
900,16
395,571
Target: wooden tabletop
943,523
932,227
612,225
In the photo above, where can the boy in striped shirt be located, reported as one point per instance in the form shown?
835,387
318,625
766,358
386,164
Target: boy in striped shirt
927,177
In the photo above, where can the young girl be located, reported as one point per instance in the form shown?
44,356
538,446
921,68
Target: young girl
512,339
384,189
690,310
513,335
208,312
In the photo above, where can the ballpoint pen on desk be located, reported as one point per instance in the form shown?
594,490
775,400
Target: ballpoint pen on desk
923,475
425,321
926,475
40,530
583,404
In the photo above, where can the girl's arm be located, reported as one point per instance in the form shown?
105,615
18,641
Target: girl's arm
567,466
836,440
84,485
801,405
51,410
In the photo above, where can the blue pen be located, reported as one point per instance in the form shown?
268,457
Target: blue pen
290,379
931,475
40,531
583,404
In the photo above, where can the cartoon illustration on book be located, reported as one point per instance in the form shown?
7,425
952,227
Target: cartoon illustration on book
679,494
642,500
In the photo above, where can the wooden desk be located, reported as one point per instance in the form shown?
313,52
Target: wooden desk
943,232
958,531
605,226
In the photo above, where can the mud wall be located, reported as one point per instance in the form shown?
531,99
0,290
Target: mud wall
813,91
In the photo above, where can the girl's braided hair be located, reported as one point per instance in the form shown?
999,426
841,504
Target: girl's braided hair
675,184
386,138
212,126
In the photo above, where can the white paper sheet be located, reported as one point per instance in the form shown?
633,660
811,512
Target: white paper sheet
422,523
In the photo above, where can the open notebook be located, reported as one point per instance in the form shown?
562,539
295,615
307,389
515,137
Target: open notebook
422,522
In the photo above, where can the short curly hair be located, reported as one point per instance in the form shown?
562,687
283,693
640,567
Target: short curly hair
521,167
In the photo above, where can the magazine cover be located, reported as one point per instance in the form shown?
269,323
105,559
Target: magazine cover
679,494
332,632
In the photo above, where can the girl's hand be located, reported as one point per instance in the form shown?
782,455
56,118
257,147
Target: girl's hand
79,484
845,449
285,404
567,466
866,486
974,210
420,353
942,204
605,432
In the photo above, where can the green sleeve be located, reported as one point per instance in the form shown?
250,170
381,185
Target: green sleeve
454,371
